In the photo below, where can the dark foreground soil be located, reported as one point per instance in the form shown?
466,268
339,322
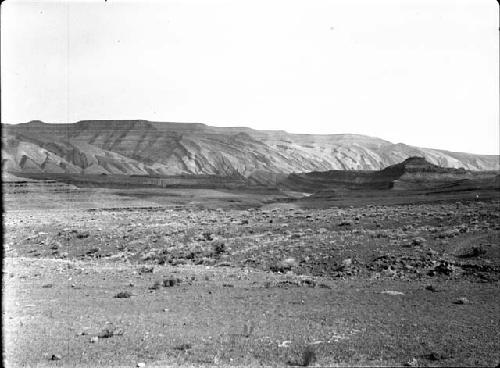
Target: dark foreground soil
119,285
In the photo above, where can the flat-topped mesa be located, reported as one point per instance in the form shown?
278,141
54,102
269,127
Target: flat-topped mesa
416,161
138,124
143,147
417,164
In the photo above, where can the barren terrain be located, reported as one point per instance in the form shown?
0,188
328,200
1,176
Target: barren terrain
140,147
119,277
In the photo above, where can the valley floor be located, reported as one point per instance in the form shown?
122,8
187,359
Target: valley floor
116,282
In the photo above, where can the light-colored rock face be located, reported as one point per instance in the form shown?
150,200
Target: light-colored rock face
137,147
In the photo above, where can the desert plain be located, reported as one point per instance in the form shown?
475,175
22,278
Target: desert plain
213,277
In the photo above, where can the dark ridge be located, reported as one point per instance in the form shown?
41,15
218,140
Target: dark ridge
113,124
416,164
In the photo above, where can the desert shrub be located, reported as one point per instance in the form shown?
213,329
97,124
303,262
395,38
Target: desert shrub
182,347
123,294
171,282
278,267
146,269
207,236
283,266
219,248
106,333
163,259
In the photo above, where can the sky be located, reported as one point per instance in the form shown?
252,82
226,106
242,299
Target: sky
424,72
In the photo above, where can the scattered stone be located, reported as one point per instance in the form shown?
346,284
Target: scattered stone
462,300
345,223
443,267
285,344
431,288
411,363
347,262
283,266
140,365
123,294
392,292
182,347
106,333
155,286
93,250
418,241
146,269
55,357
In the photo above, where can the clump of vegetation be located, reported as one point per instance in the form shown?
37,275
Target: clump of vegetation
283,266
219,248
171,282
163,258
208,236
146,269
107,333
123,294
182,347
82,235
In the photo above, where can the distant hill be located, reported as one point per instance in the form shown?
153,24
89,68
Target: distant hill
413,174
139,147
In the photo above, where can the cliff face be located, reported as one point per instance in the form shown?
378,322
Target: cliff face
150,148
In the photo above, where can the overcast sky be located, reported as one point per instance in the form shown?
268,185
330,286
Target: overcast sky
420,72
